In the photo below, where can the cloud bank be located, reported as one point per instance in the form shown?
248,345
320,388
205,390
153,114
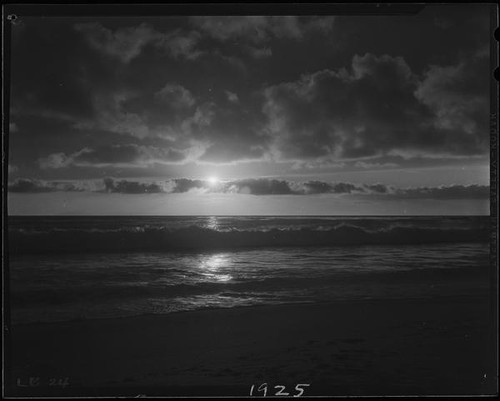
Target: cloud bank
252,186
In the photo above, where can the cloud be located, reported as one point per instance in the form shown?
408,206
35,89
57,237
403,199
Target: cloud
259,53
124,44
171,113
456,94
319,187
449,192
176,95
194,129
127,43
131,187
337,114
259,29
227,27
180,45
171,79
55,160
216,131
202,117
316,164
186,185
232,97
373,165
266,186
28,185
126,154
378,108
260,187
111,116
254,186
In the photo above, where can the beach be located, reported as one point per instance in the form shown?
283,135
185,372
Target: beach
441,346
403,307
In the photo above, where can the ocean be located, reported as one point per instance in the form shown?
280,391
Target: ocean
74,268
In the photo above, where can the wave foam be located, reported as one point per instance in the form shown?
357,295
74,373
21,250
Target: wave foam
200,238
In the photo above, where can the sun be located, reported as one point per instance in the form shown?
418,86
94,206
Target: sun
213,180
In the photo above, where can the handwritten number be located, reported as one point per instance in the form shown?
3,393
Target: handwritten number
263,387
299,388
280,392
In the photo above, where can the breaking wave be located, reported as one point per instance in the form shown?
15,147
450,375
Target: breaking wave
139,239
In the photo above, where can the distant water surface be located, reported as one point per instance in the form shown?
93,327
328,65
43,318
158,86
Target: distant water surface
66,268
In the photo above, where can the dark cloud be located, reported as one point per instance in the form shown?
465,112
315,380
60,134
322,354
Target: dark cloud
379,188
163,110
380,108
186,184
457,96
258,29
32,186
49,71
29,185
131,154
259,53
260,186
449,192
231,96
131,187
233,133
139,93
219,132
176,95
265,186
127,43
243,39
181,45
254,186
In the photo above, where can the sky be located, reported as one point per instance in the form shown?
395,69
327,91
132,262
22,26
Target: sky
330,114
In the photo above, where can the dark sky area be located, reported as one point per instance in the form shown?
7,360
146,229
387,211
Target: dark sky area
161,114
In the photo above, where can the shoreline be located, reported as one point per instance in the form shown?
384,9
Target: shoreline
367,347
337,302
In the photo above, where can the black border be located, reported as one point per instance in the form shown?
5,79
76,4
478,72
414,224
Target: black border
215,8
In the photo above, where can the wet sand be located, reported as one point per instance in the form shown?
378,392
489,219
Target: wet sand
388,347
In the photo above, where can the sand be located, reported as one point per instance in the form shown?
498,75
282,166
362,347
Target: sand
387,347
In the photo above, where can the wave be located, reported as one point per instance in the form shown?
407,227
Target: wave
331,286
142,239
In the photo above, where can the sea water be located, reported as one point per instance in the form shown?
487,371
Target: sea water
70,268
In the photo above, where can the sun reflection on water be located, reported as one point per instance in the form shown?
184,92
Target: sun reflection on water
213,267
212,223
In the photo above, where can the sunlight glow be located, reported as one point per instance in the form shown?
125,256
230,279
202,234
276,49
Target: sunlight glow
213,180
